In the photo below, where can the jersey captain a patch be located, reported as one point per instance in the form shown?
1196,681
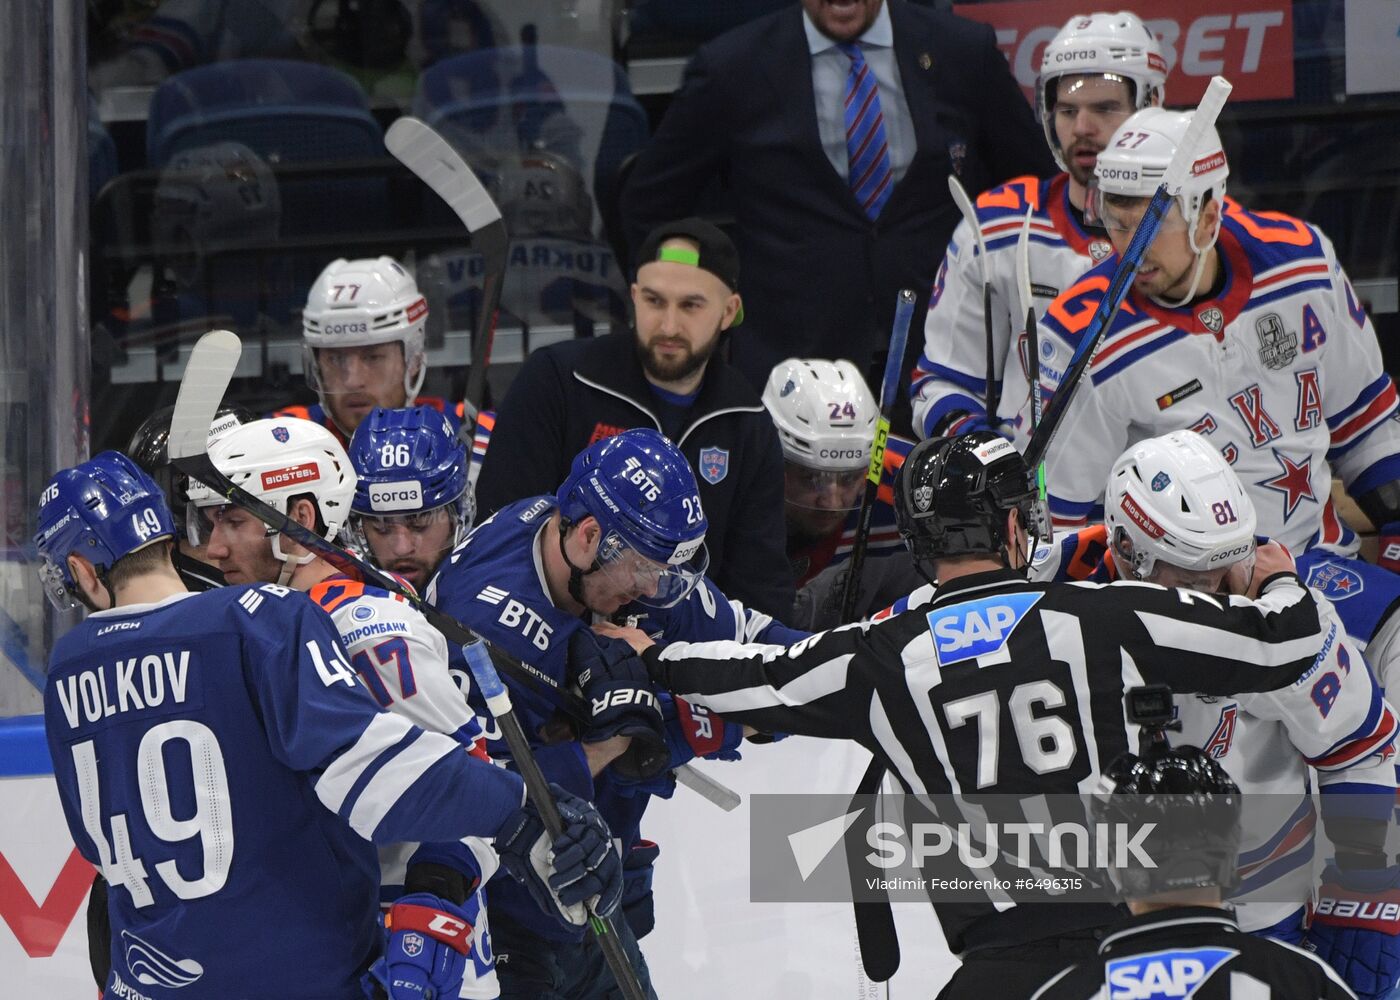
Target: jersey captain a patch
976,628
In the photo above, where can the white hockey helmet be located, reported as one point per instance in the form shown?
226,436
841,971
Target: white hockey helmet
824,413
1175,500
1099,44
275,460
1137,156
360,303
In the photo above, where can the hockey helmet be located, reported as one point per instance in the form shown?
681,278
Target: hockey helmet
952,496
643,494
1113,45
276,460
1136,160
410,466
1175,500
149,448
103,509
1195,808
363,303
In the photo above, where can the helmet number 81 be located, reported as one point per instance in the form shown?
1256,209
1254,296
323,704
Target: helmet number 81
395,455
1224,513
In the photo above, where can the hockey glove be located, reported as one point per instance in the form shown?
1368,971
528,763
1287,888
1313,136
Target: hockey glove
581,865
425,956
691,731
637,899
1388,546
615,682
1356,925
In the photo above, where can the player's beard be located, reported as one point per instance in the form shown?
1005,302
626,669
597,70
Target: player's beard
682,366
1081,174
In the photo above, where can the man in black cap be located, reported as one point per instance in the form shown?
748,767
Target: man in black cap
662,374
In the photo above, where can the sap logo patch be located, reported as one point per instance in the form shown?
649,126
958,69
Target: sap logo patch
1164,975
975,628
1336,582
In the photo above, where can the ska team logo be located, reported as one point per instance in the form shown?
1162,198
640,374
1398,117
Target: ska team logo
977,628
1164,975
714,464
412,944
1336,582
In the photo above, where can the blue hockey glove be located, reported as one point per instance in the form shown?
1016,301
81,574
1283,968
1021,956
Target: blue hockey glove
691,731
579,866
1356,928
614,680
425,956
637,900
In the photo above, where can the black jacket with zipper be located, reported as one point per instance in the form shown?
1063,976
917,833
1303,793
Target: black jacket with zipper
569,395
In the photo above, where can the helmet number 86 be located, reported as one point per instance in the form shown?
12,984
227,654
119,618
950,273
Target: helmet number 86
395,455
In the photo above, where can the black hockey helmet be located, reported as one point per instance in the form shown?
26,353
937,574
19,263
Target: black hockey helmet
150,449
952,496
1196,809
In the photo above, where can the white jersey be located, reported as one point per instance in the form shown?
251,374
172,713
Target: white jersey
951,374
1281,371
403,661
1334,719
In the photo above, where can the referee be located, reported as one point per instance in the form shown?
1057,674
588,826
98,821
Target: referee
995,684
1180,941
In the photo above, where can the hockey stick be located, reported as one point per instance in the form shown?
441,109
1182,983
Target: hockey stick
417,146
1206,112
207,375
1023,288
894,362
969,215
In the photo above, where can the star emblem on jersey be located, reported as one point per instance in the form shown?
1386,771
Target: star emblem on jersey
1278,345
1099,249
714,464
1294,481
1212,318
282,434
1335,582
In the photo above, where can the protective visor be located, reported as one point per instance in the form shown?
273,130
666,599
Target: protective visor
652,584
823,489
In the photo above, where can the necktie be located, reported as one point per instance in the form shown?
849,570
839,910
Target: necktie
870,174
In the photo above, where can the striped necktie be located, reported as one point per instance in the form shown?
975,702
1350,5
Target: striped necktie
871,176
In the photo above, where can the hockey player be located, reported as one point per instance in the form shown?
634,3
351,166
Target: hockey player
1178,516
825,417
218,761
1243,327
964,506
1096,71
412,505
1181,941
364,345
299,468
624,536
149,450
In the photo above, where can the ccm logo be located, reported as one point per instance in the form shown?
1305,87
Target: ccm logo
406,494
290,476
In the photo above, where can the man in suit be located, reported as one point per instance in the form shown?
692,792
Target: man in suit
767,105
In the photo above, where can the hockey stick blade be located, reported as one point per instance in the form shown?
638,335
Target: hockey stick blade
1206,113
969,214
210,367
894,364
432,159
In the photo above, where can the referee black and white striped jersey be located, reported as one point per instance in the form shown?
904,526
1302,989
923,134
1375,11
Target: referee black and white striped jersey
997,685
1196,952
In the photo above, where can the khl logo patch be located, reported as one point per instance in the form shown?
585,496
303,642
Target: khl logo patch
714,464
975,628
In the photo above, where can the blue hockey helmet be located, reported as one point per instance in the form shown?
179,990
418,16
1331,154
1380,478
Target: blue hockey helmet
102,510
643,494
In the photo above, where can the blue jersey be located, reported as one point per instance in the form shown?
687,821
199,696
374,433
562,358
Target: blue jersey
218,760
494,583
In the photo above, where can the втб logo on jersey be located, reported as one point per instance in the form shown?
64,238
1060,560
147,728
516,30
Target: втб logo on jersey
976,628
1164,975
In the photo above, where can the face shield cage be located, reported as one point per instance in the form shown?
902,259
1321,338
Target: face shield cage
657,585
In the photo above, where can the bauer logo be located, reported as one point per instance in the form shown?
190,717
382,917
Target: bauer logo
292,475
976,628
1164,975
406,494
